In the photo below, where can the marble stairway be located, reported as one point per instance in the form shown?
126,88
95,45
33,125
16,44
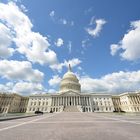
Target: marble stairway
71,109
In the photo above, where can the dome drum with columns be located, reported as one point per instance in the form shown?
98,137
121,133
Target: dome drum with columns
69,82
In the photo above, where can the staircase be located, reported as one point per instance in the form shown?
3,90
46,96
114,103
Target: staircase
71,109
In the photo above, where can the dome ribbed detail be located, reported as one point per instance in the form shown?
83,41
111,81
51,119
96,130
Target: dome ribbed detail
70,82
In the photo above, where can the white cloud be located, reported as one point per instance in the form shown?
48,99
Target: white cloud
19,70
51,91
88,10
69,46
92,21
28,88
79,68
114,48
73,62
63,21
33,45
59,42
85,43
96,31
130,43
57,67
5,42
23,8
112,83
52,13
22,87
37,52
60,20
55,81
6,87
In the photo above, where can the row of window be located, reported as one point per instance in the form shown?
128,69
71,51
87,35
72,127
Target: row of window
38,103
39,98
106,103
132,108
101,98
39,109
102,109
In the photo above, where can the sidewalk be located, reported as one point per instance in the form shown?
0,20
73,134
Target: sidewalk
14,116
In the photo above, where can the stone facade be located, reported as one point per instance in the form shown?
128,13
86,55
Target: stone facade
70,98
11,102
126,102
130,102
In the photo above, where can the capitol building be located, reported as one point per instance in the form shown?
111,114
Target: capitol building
70,99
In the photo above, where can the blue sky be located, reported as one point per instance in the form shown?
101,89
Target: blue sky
100,39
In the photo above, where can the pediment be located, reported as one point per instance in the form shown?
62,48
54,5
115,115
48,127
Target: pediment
70,93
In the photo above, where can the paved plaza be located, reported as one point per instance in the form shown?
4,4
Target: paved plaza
73,126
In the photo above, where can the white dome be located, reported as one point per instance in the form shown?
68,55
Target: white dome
70,82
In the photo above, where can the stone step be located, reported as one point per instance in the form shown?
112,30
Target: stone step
71,109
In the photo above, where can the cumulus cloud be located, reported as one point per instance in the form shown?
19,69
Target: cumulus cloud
99,25
19,70
112,83
5,42
6,87
32,44
73,62
28,88
54,81
59,42
130,43
24,88
114,49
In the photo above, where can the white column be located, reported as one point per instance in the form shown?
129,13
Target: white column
67,100
88,102
72,100
138,98
132,100
58,101
52,102
62,100
79,100
85,101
